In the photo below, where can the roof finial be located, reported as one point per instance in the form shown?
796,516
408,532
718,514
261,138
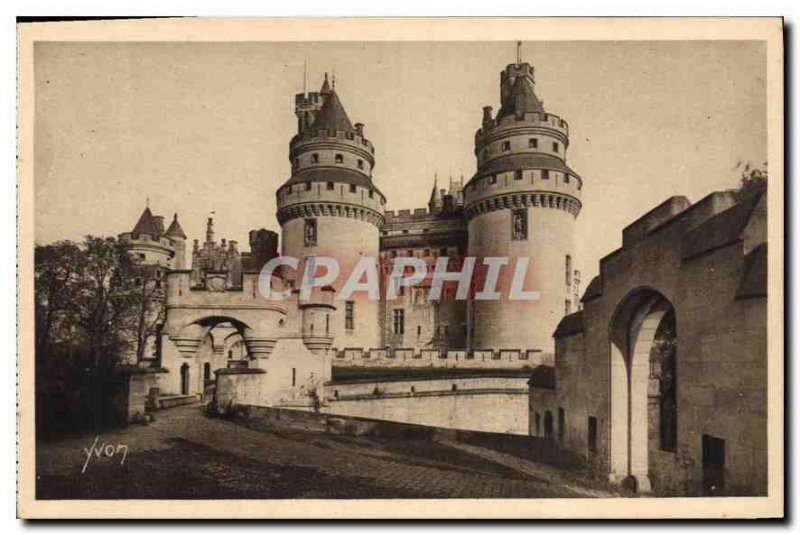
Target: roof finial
147,202
305,77
519,52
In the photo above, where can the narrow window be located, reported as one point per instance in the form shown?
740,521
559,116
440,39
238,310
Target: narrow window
327,323
315,158
230,354
361,164
419,331
294,376
308,186
568,269
349,315
399,321
493,179
339,158
506,146
533,143
329,186
592,434
371,194
352,188
566,178
567,306
518,174
562,422
555,146
545,174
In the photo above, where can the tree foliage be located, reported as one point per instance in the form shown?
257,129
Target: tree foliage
94,308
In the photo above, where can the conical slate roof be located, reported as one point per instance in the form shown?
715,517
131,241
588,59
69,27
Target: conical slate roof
326,87
332,116
175,230
522,99
146,224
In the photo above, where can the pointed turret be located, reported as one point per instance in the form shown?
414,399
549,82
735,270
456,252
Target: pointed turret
146,224
326,88
175,230
435,203
332,116
518,96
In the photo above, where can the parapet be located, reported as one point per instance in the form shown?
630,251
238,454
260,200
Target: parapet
662,213
545,120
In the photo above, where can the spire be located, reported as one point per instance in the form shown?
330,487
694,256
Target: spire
435,202
146,224
326,88
175,230
332,116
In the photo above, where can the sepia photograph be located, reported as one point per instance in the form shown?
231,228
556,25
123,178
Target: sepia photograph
407,264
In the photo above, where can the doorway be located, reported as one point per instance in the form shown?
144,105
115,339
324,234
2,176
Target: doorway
713,465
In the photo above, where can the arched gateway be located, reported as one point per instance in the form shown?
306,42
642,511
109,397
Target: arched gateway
643,410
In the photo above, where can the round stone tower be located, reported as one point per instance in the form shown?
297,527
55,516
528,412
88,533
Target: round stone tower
330,207
522,204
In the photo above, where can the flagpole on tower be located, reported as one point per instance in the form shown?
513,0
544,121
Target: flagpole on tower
519,52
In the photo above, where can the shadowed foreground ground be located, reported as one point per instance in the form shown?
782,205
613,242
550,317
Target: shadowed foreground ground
185,455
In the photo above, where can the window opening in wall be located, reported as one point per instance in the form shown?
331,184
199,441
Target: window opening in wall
555,146
352,188
349,315
506,146
545,174
339,158
399,321
329,186
294,376
533,143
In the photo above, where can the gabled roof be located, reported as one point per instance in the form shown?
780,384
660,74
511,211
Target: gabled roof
723,229
569,325
332,116
146,224
175,229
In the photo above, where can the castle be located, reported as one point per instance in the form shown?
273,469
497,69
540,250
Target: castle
631,382
521,203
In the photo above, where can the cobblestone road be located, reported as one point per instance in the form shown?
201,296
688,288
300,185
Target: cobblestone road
187,455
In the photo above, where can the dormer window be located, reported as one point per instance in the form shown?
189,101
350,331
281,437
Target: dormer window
339,158
506,146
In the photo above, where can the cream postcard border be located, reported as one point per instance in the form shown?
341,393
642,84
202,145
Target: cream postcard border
769,30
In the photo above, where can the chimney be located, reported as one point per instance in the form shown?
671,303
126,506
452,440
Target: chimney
359,129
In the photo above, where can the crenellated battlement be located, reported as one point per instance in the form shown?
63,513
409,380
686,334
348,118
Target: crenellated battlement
453,358
549,121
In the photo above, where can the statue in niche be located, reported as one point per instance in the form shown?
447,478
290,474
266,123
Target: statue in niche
519,224
310,232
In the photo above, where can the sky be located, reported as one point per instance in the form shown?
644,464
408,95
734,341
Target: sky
196,128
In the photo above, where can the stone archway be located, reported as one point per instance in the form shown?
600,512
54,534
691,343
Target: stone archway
633,333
